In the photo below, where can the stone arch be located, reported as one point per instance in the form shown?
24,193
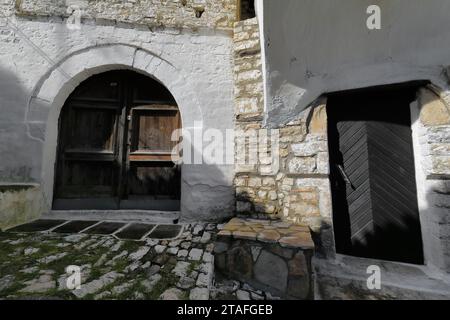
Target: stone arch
55,87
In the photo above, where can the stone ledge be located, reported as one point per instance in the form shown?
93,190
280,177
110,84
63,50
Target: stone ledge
287,235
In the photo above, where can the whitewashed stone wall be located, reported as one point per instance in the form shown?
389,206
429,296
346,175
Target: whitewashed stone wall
6,7
168,13
42,61
431,133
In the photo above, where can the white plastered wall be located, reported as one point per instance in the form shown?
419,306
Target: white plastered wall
42,61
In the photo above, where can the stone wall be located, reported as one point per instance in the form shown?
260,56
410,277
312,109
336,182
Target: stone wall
290,180
270,256
19,203
248,73
218,14
6,7
435,120
432,147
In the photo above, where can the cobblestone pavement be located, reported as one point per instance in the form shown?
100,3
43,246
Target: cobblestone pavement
33,266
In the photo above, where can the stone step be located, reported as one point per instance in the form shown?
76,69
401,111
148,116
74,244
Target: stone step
155,217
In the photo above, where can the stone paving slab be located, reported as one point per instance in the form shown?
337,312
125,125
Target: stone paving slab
104,228
135,231
74,226
226,289
165,231
38,225
288,235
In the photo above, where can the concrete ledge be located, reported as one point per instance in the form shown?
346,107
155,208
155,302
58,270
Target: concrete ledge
272,256
345,278
146,216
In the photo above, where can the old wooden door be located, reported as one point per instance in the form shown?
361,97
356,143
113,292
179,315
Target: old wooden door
116,148
375,209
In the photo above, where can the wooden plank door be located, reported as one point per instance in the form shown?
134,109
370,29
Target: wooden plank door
115,147
373,177
89,146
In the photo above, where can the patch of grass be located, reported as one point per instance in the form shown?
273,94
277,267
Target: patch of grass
168,280
120,264
192,267
89,296
18,283
131,246
13,289
185,296
95,274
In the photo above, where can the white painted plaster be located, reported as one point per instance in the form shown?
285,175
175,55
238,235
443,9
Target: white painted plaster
37,79
314,47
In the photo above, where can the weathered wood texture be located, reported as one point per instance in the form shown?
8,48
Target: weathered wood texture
116,142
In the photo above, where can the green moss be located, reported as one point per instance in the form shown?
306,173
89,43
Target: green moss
192,267
120,264
168,280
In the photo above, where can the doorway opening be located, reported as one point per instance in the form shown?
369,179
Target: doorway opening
372,172
116,148
246,9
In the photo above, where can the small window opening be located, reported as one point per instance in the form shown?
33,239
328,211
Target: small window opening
199,12
247,9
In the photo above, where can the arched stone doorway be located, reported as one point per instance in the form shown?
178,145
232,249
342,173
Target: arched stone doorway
115,147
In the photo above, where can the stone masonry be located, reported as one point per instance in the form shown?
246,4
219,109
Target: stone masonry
432,145
153,13
299,190
270,256
248,90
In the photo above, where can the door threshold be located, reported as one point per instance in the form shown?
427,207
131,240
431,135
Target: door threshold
146,216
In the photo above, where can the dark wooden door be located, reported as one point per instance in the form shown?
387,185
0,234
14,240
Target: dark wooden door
375,209
115,146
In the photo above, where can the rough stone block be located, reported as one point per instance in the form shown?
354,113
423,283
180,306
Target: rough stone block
302,165
271,270
434,112
278,261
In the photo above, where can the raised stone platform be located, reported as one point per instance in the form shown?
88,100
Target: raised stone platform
272,256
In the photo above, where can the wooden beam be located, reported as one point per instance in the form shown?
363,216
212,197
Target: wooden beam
239,10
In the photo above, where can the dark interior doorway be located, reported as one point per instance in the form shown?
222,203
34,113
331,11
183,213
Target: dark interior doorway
115,147
246,9
375,209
